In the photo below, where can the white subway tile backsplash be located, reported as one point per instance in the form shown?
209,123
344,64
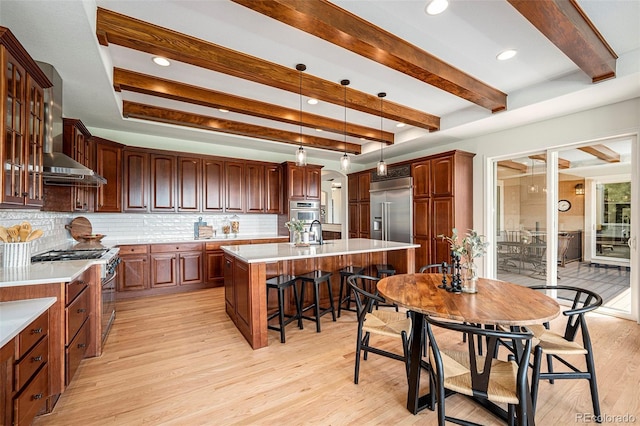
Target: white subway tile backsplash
52,224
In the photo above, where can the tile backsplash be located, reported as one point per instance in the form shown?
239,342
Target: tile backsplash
125,226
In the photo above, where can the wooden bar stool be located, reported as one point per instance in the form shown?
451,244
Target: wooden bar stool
345,273
279,283
316,278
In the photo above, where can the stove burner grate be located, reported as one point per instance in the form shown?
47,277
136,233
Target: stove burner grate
56,255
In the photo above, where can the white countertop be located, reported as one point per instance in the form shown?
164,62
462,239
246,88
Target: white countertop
44,272
257,253
15,316
160,240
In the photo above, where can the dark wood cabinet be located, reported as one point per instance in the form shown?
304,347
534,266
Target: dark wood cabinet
77,145
214,267
255,187
22,85
229,293
176,264
273,188
442,200
235,185
213,185
135,185
301,182
189,184
164,270
358,185
133,270
163,183
191,267
109,166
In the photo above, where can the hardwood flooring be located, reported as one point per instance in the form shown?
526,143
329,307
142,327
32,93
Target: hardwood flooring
178,360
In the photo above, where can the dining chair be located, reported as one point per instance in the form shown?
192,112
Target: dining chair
555,345
488,379
382,322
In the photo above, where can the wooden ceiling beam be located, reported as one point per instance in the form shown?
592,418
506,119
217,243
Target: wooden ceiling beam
181,118
334,24
602,152
562,163
112,27
566,25
168,89
513,165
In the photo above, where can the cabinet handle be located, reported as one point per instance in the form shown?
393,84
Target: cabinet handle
80,282
36,358
25,194
37,396
82,345
81,310
36,330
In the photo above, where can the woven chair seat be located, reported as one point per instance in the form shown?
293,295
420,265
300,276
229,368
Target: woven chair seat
387,323
502,379
554,343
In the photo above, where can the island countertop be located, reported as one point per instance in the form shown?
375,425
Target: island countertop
274,252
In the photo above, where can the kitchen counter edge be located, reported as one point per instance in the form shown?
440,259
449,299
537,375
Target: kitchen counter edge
17,315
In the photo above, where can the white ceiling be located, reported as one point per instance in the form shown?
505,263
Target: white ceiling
541,82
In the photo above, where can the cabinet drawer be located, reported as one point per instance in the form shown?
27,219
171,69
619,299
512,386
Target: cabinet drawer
172,248
134,249
29,402
32,334
76,286
77,313
75,353
34,359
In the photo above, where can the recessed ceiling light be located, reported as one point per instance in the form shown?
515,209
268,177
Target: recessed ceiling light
435,7
223,110
163,62
312,101
506,54
400,125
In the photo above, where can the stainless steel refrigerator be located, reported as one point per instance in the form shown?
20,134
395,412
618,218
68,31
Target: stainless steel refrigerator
391,203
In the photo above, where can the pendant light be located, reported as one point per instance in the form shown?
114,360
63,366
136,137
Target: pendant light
301,154
533,188
381,169
345,163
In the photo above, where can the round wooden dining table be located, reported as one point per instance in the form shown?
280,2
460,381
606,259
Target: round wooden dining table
496,303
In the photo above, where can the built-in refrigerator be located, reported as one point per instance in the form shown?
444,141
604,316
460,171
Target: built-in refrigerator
391,203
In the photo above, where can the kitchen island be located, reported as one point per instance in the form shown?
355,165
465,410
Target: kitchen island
247,267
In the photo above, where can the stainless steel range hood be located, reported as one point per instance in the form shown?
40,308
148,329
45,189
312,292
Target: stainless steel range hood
58,168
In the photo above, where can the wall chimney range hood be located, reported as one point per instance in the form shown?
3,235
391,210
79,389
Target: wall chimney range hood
60,169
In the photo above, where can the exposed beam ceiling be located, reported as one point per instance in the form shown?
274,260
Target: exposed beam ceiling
332,23
566,25
156,86
562,163
198,121
135,34
602,152
513,165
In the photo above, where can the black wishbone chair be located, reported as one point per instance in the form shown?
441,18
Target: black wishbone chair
485,378
554,345
381,322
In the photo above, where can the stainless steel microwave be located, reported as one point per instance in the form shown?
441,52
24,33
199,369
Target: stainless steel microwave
305,211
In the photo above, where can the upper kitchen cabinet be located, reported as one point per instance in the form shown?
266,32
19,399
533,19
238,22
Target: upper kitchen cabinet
213,185
22,85
135,184
302,182
189,184
77,144
263,188
163,183
109,166
235,186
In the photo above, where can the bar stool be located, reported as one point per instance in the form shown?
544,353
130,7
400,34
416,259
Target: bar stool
345,273
316,278
280,283
385,269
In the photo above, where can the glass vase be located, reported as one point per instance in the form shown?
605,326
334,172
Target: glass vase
470,278
297,237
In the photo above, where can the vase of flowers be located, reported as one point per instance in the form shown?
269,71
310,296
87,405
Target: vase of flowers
297,227
467,249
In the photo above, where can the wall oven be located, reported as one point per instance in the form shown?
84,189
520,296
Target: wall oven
304,211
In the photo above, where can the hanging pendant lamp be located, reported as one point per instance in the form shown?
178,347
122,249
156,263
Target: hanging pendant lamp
381,168
345,163
301,154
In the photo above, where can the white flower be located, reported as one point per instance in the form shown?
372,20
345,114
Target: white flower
295,225
471,246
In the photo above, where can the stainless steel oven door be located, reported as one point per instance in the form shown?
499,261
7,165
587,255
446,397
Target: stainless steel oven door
108,302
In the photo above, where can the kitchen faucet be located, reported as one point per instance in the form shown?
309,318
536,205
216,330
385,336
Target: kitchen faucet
318,235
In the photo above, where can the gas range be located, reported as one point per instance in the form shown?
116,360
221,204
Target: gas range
56,255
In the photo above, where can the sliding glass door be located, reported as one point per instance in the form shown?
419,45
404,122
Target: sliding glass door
564,217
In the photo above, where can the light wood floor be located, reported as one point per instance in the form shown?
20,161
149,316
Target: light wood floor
178,360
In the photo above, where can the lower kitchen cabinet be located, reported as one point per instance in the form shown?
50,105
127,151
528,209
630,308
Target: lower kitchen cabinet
133,271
